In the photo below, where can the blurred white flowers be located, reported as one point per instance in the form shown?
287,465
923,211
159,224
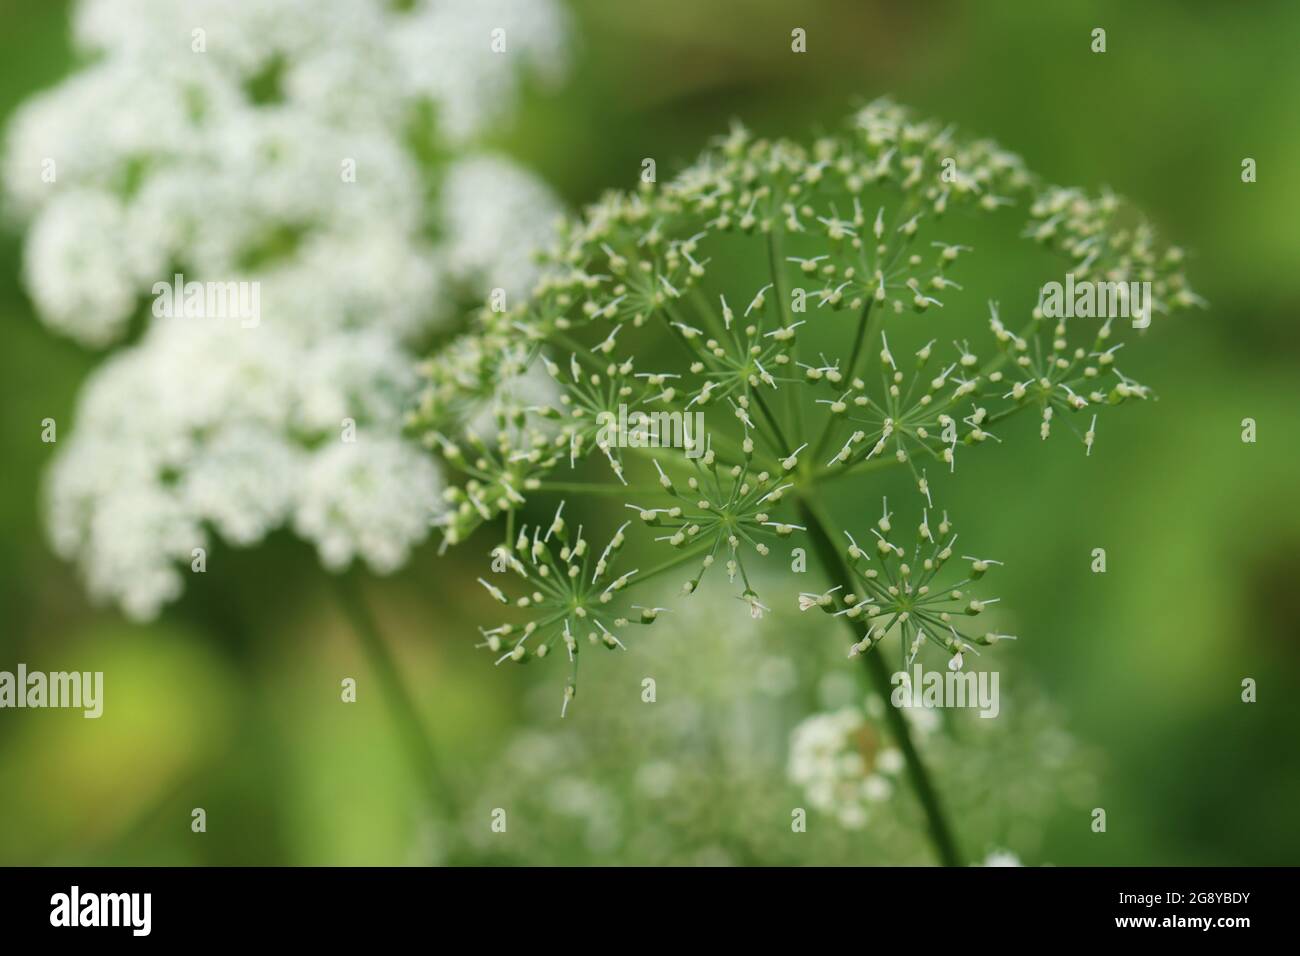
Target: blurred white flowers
842,765
323,151
694,778
710,772
1001,858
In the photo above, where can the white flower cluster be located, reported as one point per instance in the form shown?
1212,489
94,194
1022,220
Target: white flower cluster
844,763
841,763
322,151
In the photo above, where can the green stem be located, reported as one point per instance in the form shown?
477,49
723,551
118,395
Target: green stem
783,445
941,835
776,266
594,488
825,474
866,331
690,554
406,715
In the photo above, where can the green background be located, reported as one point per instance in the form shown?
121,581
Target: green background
230,700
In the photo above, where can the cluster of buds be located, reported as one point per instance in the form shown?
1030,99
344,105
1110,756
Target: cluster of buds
593,395
487,410
721,511
1047,373
569,593
925,414
1100,245
895,591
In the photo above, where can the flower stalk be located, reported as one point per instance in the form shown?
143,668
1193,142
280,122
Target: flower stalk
405,714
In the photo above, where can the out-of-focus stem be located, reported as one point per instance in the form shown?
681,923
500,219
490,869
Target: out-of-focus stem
420,750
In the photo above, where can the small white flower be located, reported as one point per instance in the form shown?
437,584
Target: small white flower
84,266
876,788
838,775
1001,858
809,601
369,499
890,760
495,215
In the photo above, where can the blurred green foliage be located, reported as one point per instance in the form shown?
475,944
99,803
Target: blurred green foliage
230,702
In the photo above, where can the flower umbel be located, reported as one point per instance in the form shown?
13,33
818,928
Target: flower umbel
572,597
722,511
895,591
756,287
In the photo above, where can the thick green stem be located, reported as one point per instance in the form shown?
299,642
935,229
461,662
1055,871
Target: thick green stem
833,564
595,488
866,331
406,715
783,446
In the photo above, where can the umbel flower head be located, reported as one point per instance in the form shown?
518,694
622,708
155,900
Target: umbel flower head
806,301
910,592
322,155
481,409
574,596
722,513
